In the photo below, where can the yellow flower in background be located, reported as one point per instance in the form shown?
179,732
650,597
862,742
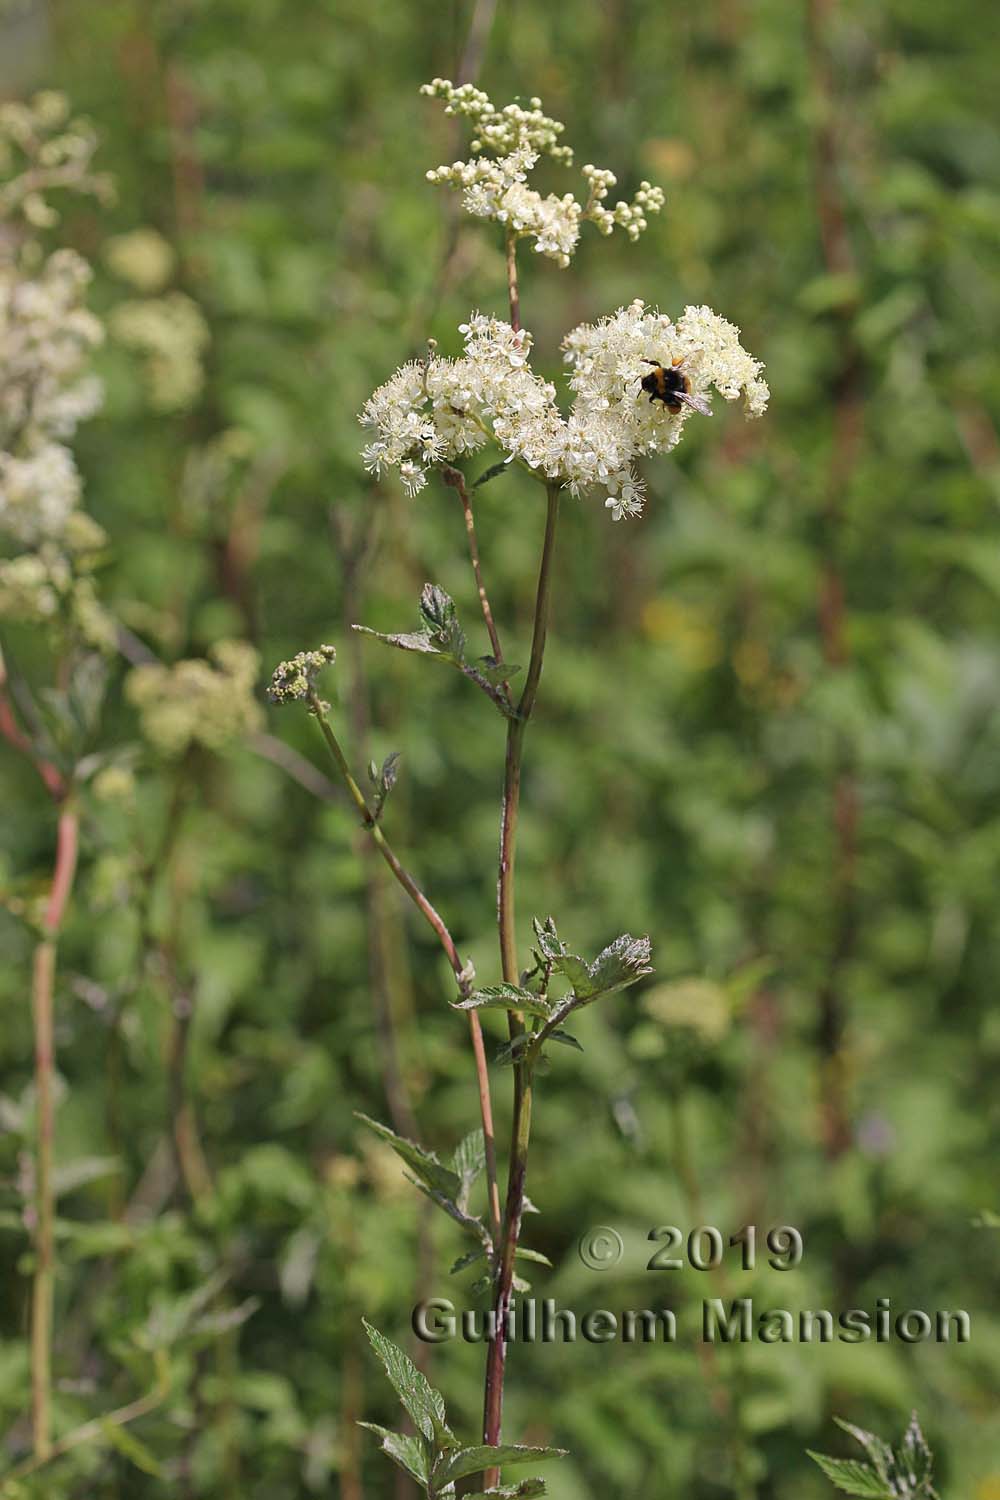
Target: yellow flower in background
143,258
689,631
195,701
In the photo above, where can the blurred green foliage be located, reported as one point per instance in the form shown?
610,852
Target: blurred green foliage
818,1045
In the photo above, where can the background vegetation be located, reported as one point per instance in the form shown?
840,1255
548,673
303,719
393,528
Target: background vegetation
768,735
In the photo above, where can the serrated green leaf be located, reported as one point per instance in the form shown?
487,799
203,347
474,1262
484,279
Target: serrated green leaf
408,1451
548,938
505,997
495,671
424,1404
621,963
522,1491
440,618
878,1451
424,1163
383,778
470,1154
572,967
916,1455
436,607
404,640
453,1208
452,1466
443,637
469,1161
853,1477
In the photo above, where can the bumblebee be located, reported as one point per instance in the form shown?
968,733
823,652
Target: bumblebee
671,385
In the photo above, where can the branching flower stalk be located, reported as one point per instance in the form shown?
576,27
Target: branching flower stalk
297,680
430,417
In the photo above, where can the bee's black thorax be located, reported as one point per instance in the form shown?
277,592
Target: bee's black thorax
663,383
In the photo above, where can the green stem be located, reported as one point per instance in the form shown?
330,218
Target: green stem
523,1070
433,918
515,748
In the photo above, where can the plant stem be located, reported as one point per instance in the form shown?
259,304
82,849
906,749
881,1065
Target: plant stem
95,1430
515,747
848,420
444,937
456,479
43,982
12,732
523,1071
496,1354
513,295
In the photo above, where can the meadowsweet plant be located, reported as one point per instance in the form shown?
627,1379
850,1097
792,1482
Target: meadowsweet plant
59,645
432,417
49,548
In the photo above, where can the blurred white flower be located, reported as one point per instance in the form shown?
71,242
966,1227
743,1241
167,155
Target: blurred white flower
142,257
205,702
46,385
46,332
172,334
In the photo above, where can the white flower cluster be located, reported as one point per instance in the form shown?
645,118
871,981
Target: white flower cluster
46,385
42,149
507,145
53,586
437,411
198,702
172,335
46,331
46,389
142,257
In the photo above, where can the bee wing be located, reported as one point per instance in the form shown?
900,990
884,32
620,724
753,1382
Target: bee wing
696,403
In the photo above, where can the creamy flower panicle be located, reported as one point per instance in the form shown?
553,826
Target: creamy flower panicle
443,409
507,145
172,335
440,410
196,701
46,390
47,387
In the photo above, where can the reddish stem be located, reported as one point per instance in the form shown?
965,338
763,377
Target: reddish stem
43,984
